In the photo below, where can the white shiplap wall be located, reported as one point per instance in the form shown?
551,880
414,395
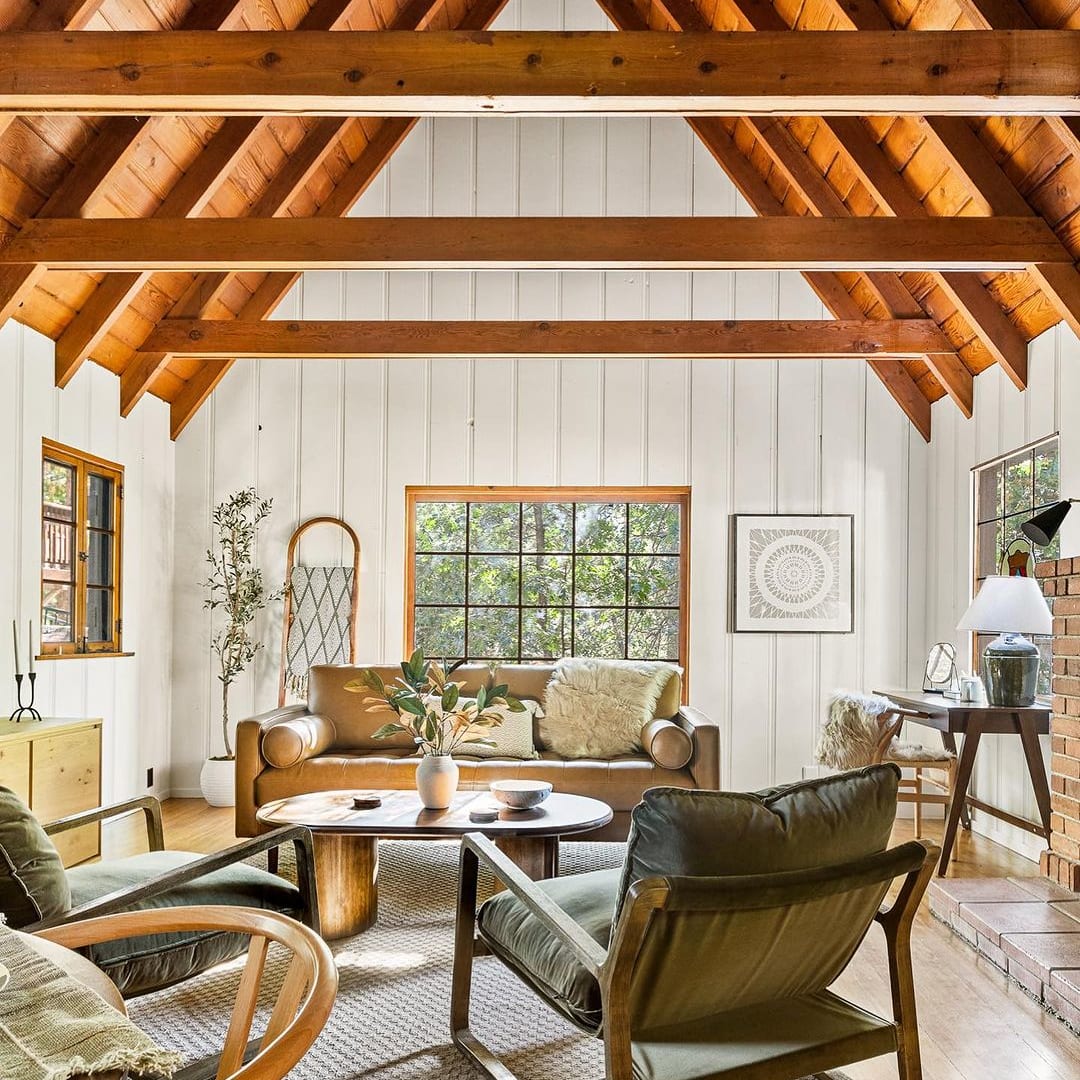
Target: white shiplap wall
131,694
344,438
1004,420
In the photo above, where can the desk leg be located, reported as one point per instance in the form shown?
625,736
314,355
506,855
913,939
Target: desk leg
948,740
1036,770
963,777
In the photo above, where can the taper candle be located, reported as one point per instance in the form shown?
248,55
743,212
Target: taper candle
15,643
30,645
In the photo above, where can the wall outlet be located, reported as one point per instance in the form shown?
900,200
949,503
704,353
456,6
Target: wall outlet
150,777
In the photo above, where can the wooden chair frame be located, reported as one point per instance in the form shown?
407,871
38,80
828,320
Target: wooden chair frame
288,614
122,899
912,791
303,1003
613,968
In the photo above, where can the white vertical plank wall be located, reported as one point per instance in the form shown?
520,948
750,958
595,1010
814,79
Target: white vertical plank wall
329,437
1004,420
132,694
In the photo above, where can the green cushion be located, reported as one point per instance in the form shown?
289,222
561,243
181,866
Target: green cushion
139,965
33,884
835,819
523,942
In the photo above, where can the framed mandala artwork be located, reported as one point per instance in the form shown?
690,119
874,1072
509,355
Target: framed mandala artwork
794,573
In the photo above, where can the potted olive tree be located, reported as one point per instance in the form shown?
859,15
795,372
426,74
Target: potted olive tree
236,592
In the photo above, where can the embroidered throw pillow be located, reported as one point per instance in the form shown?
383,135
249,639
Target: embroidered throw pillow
513,738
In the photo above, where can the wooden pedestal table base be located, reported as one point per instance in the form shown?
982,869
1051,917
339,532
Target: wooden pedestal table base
346,840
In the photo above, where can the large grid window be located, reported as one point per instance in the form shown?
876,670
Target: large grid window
80,552
520,574
1009,491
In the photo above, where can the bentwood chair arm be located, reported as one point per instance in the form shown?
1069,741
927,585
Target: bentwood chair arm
149,806
123,899
478,848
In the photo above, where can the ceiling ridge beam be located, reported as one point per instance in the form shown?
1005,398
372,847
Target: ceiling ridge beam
188,197
274,287
656,338
390,73
828,287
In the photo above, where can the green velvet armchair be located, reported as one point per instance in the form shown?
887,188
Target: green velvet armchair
718,975
36,892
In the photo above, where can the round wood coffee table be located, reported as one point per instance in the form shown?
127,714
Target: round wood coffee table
346,840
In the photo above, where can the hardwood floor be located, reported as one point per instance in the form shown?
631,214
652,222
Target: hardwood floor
974,1023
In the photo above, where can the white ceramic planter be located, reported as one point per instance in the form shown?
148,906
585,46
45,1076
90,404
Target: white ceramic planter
218,782
436,781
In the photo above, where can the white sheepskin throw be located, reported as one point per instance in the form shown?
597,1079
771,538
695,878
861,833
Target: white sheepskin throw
851,733
597,708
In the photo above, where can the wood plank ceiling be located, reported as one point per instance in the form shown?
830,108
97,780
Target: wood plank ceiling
165,166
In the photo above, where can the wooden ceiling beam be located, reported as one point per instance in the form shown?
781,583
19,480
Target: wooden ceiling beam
274,287
986,72
527,243
697,339
830,290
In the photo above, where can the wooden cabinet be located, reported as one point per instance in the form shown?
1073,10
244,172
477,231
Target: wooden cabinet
56,766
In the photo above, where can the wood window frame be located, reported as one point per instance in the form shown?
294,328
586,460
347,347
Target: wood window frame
679,495
85,466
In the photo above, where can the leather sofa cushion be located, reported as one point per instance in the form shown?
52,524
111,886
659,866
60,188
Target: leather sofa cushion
139,965
296,739
33,884
669,745
542,960
619,783
354,722
812,823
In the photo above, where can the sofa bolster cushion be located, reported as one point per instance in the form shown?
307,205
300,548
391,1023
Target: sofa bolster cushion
33,884
142,964
291,741
669,745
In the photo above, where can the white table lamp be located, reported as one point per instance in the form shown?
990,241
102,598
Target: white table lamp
1009,607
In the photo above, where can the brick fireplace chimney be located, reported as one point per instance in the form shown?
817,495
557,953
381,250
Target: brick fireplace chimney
1061,582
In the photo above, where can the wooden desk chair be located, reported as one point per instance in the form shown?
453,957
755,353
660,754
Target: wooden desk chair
865,730
303,1002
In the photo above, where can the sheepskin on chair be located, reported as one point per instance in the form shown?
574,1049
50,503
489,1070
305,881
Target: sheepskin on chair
850,737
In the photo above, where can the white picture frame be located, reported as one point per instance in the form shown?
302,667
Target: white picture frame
793,573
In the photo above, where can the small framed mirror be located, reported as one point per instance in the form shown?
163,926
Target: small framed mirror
940,675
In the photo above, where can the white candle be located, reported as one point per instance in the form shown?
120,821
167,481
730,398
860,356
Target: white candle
30,644
15,643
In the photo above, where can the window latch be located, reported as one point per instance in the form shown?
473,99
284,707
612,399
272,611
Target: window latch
84,556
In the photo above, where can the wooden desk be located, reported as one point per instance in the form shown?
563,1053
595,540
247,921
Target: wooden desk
973,720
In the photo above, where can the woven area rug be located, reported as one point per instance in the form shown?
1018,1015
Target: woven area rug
391,1020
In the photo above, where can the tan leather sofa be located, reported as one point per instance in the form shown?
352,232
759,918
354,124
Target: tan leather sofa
328,744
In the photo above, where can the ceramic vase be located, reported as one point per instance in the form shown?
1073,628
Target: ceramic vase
436,781
218,781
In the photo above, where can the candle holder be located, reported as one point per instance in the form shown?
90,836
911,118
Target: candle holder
22,709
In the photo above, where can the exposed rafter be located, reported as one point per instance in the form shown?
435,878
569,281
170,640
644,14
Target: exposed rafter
695,339
991,72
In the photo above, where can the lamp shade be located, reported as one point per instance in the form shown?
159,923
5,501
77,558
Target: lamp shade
1008,605
1042,528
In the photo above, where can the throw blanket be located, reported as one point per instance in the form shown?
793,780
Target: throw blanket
319,632
597,708
53,1027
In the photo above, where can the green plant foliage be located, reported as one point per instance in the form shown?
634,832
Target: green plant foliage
236,589
429,707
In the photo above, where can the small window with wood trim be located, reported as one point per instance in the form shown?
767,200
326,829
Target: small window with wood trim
81,500
533,574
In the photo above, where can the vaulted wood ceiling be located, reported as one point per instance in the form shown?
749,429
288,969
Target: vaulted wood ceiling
171,166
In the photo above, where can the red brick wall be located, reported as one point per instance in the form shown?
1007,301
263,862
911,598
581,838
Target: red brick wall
1061,581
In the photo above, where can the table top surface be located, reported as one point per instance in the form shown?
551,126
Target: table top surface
919,699
402,814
